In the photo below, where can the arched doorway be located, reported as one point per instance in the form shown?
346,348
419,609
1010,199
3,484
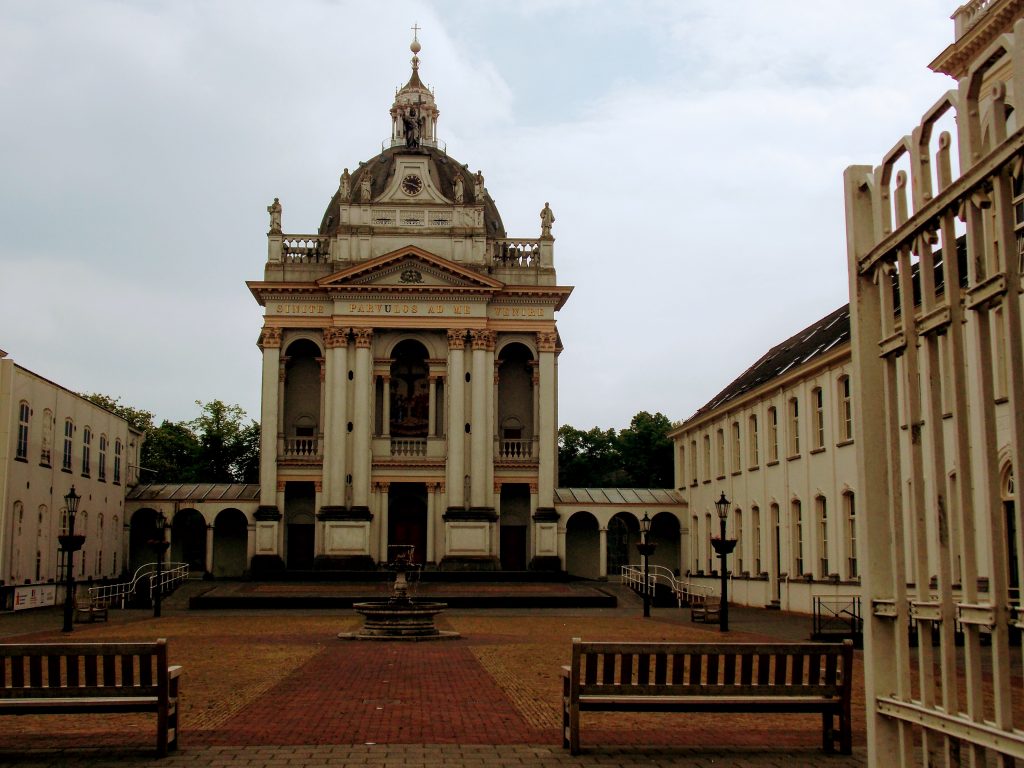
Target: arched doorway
515,402
230,537
142,533
514,526
410,393
407,518
665,535
583,546
188,539
302,399
623,534
300,528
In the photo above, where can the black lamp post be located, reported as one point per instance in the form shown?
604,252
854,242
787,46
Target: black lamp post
723,547
69,544
160,545
646,549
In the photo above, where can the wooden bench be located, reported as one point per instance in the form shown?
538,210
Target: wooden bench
709,612
72,678
710,677
88,609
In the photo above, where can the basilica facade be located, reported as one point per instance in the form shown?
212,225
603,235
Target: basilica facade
409,391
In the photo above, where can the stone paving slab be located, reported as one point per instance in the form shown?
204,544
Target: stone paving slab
277,688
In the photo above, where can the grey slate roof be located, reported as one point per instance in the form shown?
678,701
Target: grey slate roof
813,341
195,492
615,496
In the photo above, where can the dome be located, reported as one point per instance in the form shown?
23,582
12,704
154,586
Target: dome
442,171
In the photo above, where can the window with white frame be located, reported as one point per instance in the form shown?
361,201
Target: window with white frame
753,454
738,533
737,459
818,401
773,434
69,433
794,427
86,451
21,449
707,541
47,444
99,544
797,535
695,540
850,512
101,467
720,452
755,538
693,462
845,409
707,458
821,508
117,460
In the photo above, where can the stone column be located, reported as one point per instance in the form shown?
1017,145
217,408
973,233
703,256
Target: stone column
209,549
270,343
361,421
431,406
386,406
547,430
335,419
382,517
480,436
602,550
535,395
429,555
456,417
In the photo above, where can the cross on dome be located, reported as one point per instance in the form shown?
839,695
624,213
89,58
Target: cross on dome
414,112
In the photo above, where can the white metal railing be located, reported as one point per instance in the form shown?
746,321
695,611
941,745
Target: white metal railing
408,446
118,594
684,591
301,446
515,449
169,577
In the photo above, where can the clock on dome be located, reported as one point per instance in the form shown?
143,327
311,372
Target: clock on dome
412,185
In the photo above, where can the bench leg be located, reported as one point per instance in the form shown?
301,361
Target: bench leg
565,713
828,735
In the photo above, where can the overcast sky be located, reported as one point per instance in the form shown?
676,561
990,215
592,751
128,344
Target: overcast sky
692,152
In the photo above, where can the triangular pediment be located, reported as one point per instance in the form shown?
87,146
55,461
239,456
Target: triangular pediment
409,267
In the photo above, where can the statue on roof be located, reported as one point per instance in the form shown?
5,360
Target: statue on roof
460,189
547,218
274,209
478,187
345,185
412,127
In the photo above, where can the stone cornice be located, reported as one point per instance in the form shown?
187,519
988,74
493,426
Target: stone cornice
993,22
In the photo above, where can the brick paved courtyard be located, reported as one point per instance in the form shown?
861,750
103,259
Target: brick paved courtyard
278,683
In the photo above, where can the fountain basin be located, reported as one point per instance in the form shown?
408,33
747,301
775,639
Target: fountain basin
399,620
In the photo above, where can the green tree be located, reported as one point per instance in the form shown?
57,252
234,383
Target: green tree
588,459
646,451
228,447
169,454
137,417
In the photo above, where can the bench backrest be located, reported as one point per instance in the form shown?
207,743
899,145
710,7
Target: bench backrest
679,669
40,670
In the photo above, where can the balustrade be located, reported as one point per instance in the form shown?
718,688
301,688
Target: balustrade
516,253
515,449
305,249
301,446
409,446
969,14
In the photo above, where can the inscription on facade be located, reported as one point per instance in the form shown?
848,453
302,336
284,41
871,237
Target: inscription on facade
281,308
501,312
408,308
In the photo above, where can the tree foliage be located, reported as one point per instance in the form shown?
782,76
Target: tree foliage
220,445
639,456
